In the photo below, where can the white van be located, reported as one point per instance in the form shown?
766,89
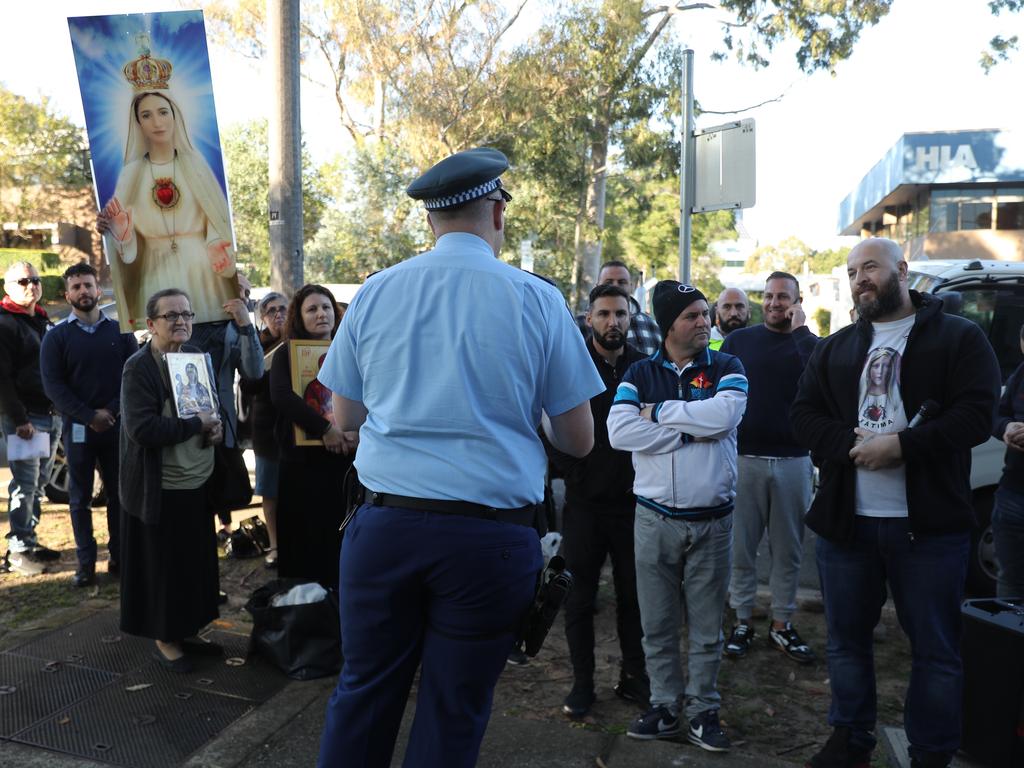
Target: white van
991,293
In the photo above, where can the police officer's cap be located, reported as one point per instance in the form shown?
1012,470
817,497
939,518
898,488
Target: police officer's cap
461,178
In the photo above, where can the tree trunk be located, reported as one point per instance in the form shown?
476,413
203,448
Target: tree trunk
589,253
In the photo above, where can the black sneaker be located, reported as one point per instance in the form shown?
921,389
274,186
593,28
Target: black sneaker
707,734
839,753
635,688
44,554
739,641
85,576
517,657
789,642
656,723
579,700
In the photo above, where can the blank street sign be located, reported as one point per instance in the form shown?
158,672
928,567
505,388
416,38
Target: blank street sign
724,167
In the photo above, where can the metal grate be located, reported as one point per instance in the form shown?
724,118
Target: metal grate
156,726
31,689
96,642
90,691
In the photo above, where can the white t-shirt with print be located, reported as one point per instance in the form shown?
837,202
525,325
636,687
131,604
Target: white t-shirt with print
883,492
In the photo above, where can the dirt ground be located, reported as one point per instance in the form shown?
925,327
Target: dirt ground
771,705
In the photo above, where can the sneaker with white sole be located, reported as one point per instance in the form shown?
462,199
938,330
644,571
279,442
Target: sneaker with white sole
706,732
21,563
790,643
739,640
656,723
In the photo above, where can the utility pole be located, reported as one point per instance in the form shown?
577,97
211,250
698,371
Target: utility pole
284,140
686,168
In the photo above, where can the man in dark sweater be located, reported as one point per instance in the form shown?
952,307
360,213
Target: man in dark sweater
26,411
773,489
81,362
598,517
893,507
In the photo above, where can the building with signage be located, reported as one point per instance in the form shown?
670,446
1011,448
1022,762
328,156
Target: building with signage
945,195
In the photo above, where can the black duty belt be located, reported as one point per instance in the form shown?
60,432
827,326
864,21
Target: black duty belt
526,516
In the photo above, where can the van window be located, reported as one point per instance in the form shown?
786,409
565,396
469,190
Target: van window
1000,313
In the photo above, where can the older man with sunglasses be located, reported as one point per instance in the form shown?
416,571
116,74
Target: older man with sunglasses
25,410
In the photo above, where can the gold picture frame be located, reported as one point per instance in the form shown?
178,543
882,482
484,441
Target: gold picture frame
306,356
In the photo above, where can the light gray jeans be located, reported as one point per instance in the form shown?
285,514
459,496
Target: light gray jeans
682,566
772,493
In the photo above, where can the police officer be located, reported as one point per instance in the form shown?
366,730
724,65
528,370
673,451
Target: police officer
441,371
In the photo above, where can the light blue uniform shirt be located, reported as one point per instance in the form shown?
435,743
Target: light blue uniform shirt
454,354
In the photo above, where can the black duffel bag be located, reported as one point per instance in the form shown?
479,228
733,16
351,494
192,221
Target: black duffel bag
303,641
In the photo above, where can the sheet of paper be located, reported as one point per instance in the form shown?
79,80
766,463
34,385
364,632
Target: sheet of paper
78,433
36,447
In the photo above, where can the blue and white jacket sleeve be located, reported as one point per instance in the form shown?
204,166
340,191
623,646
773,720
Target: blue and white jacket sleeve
628,430
715,417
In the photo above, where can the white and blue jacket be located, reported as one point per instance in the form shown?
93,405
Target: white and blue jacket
685,456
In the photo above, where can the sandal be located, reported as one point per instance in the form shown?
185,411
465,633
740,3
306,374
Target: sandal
271,559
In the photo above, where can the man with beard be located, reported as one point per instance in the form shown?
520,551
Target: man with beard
732,312
893,505
773,487
598,517
81,361
643,331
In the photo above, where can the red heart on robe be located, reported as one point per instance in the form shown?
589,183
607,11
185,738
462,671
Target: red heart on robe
165,194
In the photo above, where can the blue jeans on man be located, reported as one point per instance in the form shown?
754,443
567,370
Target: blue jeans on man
925,575
83,456
28,483
1008,538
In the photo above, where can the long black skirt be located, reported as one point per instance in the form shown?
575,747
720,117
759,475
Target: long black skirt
310,508
169,576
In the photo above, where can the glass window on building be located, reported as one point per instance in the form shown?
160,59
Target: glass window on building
1010,215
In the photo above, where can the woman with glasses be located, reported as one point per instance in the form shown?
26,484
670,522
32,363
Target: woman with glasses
309,503
272,310
169,582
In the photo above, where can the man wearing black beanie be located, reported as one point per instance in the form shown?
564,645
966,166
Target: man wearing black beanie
677,411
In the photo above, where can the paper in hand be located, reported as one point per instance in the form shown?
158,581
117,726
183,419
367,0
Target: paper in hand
36,447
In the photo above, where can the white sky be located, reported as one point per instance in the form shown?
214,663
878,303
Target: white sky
916,71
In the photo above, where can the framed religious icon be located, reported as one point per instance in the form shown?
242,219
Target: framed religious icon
306,358
156,158
191,384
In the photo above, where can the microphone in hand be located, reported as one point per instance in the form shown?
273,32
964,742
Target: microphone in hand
929,409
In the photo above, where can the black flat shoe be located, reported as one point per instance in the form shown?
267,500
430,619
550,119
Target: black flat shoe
84,577
196,646
180,665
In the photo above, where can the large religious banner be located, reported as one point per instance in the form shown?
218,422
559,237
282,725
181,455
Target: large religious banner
156,159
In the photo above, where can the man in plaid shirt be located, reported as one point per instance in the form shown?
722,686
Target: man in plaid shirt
643,331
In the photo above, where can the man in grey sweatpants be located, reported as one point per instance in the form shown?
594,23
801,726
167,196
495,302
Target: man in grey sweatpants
773,489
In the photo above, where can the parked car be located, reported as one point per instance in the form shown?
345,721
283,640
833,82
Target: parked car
991,293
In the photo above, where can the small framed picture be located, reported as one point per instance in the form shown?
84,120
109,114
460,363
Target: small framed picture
190,382
306,357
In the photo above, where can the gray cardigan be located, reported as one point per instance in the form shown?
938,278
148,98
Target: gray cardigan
144,434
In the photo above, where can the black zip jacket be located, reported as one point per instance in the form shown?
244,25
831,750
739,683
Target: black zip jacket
603,479
1011,408
947,359
21,383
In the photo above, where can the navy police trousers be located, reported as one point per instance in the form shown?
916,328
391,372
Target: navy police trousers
444,590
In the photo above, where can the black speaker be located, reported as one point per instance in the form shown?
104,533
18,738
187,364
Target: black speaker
993,654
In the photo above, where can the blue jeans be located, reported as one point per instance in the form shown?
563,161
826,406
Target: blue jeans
82,458
926,576
444,590
28,483
1008,536
682,565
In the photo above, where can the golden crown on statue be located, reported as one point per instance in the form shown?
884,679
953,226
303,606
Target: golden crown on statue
146,73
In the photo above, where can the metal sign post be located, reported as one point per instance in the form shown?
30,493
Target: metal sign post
686,170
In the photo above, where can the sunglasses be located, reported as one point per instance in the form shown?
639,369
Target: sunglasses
23,282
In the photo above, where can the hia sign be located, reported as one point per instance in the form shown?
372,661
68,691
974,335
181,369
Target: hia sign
944,157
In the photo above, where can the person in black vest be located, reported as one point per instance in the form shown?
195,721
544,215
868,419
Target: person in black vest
598,517
81,361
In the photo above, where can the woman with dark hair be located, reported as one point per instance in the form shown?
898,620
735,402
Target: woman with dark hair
169,579
272,311
311,477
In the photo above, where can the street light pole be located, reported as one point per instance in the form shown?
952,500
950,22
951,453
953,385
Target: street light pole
686,170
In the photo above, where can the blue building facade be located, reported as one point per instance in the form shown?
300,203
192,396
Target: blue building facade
945,195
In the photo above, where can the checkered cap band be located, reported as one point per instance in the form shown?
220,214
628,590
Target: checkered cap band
439,203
